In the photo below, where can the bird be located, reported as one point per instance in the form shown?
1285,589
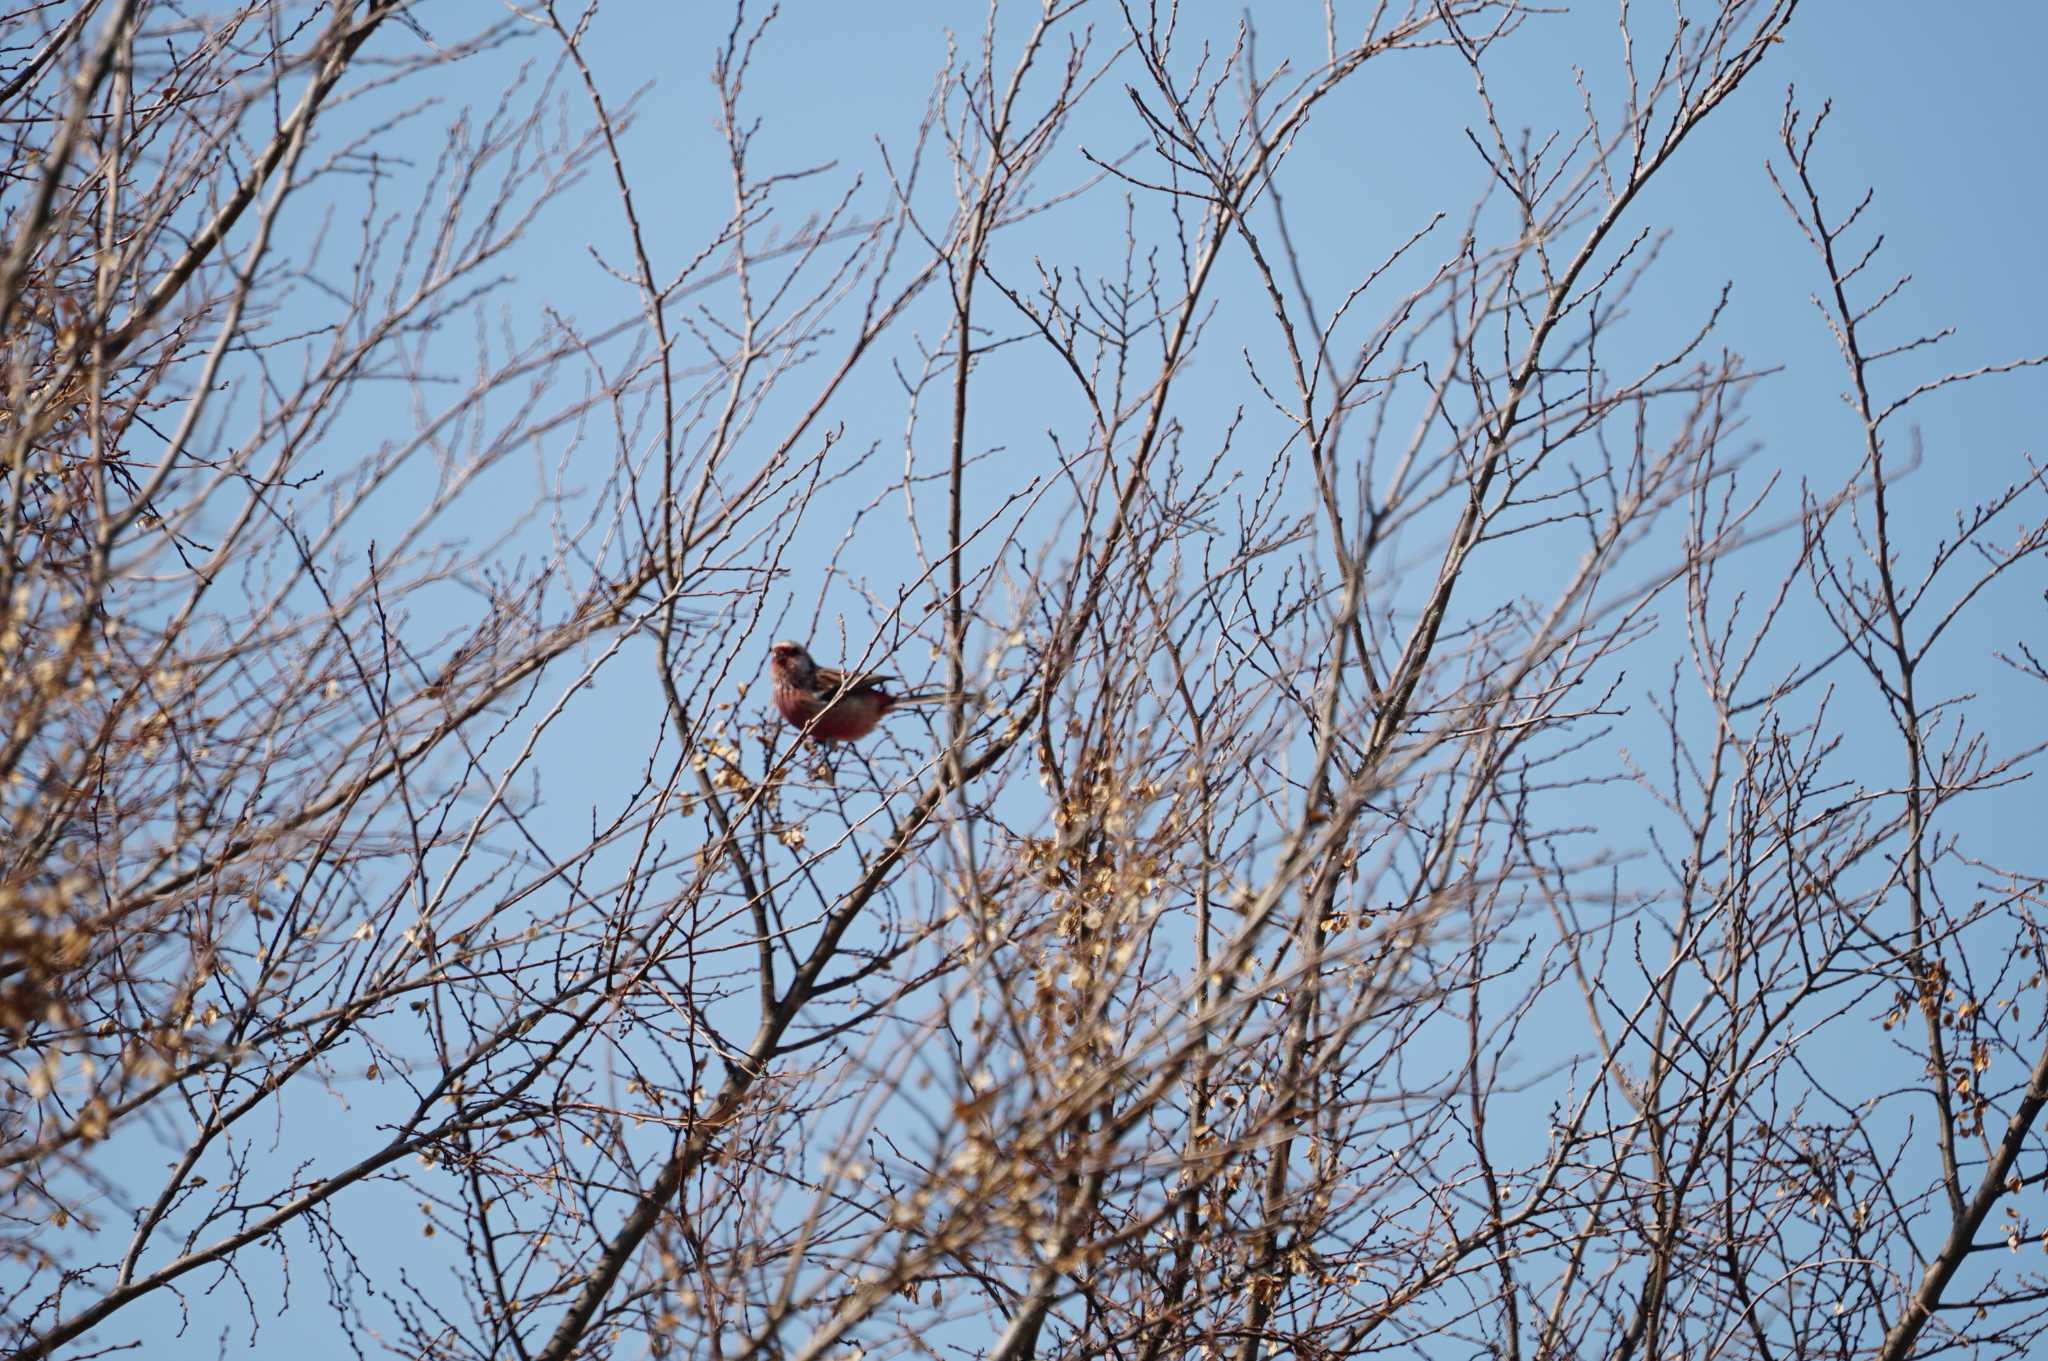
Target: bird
831,705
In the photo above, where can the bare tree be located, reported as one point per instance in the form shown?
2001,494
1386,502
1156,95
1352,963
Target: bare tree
1304,932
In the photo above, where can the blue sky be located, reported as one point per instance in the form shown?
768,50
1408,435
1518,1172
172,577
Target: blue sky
1938,108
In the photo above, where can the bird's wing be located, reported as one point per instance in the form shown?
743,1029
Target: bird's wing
830,679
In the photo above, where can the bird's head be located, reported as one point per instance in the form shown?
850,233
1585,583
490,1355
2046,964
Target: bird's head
790,661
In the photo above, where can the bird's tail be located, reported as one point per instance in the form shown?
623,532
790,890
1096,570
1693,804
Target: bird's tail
940,697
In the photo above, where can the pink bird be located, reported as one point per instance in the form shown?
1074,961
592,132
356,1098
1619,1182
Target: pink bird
829,704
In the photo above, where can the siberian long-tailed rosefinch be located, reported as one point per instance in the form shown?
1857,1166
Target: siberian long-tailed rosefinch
829,704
